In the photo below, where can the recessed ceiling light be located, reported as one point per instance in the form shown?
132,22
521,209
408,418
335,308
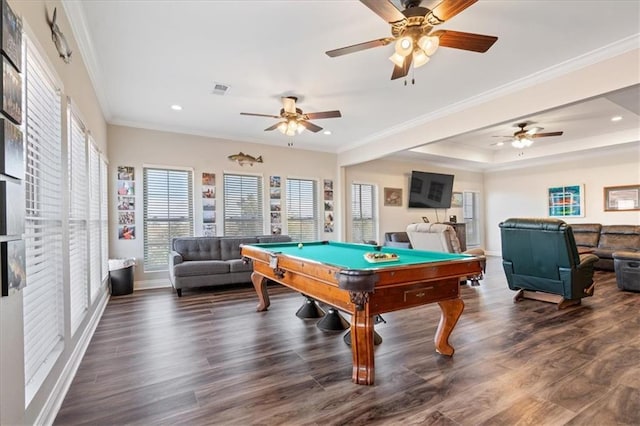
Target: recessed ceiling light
616,118
499,143
176,107
327,132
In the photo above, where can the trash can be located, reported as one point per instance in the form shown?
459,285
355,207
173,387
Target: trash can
121,275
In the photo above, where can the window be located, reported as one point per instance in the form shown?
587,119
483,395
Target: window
104,219
243,205
302,210
95,236
363,207
168,213
78,216
42,296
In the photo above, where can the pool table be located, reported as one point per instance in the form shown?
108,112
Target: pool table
337,274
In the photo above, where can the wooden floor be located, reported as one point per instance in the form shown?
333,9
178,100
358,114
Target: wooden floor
209,358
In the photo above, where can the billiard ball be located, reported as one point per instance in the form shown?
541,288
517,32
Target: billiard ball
299,245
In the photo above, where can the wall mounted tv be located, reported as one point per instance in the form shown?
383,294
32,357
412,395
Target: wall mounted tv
430,190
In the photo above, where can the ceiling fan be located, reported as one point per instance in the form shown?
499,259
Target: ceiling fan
294,121
524,138
411,30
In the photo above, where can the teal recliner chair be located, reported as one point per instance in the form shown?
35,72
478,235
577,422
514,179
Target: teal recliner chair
541,261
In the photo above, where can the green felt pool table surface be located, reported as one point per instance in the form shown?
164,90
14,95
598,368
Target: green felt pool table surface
351,255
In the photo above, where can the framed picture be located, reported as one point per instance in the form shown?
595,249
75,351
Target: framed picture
393,197
621,198
11,217
126,173
11,35
208,179
456,199
12,266
11,92
566,201
12,151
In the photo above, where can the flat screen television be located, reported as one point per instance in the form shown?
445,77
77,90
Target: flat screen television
430,190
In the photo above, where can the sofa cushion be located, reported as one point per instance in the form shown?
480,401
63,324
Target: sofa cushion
201,267
230,246
197,248
237,265
620,237
586,234
274,239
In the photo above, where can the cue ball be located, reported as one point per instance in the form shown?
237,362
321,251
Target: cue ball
299,245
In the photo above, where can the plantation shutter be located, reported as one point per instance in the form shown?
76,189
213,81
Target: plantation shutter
168,213
243,205
104,219
363,212
302,210
42,296
78,215
95,264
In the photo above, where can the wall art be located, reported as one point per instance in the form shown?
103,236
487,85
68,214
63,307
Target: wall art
566,201
11,35
621,198
11,216
11,92
13,266
12,150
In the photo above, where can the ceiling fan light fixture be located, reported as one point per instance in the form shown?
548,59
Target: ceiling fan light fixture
419,58
522,143
429,44
404,46
397,59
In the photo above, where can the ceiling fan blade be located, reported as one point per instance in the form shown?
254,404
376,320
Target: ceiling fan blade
533,130
310,126
289,104
465,41
447,9
260,115
275,126
385,9
324,114
399,72
360,46
544,135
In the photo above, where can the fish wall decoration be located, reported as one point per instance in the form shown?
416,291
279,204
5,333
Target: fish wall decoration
59,40
242,159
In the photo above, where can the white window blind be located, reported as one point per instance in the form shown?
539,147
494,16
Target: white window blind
78,215
95,259
42,296
302,210
363,207
104,218
243,205
168,213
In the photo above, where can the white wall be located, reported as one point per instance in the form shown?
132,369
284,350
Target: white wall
136,147
396,174
523,192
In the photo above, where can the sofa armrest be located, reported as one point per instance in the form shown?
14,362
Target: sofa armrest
587,260
175,258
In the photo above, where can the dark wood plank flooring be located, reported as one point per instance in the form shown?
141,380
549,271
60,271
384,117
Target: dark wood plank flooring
210,358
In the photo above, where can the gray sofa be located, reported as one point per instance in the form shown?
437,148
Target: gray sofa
212,261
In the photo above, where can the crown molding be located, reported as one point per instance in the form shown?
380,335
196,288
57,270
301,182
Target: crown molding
82,35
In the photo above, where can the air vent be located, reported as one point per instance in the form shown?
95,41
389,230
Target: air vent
220,89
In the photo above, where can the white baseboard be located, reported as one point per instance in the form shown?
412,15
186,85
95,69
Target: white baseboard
56,397
149,284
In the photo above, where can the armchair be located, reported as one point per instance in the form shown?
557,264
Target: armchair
541,261
441,237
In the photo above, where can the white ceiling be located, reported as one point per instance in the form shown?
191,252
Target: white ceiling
144,56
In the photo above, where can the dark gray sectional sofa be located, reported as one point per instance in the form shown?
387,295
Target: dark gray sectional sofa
212,261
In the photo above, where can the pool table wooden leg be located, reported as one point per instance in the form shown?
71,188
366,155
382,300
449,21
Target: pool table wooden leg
362,346
451,311
260,284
